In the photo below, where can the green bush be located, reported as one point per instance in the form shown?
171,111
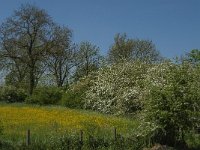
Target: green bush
45,95
75,95
1,128
72,99
12,94
172,101
193,140
1,88
4,145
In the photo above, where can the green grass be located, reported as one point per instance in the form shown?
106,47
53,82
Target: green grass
54,125
54,121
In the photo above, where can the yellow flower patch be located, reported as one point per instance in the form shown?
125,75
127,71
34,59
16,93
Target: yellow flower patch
44,120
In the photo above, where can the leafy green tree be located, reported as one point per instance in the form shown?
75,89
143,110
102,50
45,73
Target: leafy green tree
25,37
125,49
193,56
172,101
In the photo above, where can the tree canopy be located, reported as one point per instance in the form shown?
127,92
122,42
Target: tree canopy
25,38
125,49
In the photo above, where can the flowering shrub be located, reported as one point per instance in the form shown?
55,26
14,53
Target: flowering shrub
117,89
167,93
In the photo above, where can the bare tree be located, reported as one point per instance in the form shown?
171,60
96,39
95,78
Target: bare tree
121,49
61,57
145,50
87,59
125,49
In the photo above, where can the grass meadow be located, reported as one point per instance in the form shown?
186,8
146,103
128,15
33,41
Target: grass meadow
53,127
55,121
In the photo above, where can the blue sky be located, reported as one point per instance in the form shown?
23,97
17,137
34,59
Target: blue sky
173,25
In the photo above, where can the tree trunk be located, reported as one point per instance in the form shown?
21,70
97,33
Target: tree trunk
32,81
60,74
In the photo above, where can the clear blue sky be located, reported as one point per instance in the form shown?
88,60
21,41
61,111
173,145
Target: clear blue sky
173,25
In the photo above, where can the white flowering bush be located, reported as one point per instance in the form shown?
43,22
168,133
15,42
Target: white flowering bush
117,89
167,94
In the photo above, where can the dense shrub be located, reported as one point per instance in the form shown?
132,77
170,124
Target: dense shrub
167,95
4,145
172,101
74,97
12,94
45,95
193,140
117,89
1,88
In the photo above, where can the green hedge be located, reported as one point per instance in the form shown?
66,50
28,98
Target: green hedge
45,96
73,99
12,94
75,96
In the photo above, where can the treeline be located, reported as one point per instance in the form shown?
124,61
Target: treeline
36,50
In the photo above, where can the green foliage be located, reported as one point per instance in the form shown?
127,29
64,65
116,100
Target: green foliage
12,94
172,100
45,95
117,89
167,93
18,76
1,128
4,145
75,95
73,99
72,141
193,56
193,140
